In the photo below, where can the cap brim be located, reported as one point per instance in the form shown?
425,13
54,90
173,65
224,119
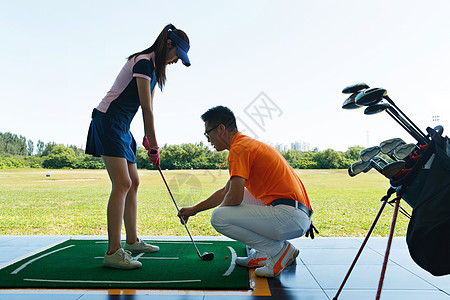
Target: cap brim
182,48
183,56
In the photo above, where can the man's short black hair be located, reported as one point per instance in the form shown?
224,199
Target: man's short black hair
220,115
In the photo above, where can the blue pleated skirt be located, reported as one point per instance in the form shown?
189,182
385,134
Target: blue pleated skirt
110,136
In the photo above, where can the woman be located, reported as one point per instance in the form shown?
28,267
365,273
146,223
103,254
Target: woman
110,137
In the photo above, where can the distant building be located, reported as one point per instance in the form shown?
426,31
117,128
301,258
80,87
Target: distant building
300,146
296,146
281,147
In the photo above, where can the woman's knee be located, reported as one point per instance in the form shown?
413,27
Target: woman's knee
134,184
122,185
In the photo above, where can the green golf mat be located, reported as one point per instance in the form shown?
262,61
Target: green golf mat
79,264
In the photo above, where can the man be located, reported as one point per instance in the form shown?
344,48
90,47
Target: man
263,204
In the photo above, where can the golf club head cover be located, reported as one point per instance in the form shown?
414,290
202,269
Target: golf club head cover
153,152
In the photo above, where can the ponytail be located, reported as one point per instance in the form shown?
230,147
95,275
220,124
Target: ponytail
160,49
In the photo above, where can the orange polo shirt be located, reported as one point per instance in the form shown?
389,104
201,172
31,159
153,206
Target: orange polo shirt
268,175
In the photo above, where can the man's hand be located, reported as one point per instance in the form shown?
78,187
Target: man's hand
186,212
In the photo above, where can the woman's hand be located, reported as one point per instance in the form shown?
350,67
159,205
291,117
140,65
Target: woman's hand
153,152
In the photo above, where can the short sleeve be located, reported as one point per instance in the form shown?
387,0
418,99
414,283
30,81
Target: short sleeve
239,162
144,69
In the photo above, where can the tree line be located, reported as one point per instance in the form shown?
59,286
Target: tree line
18,152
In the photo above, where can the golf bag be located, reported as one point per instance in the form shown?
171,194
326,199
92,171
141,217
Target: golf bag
426,188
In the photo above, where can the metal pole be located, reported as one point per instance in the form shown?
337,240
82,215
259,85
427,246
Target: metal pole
388,248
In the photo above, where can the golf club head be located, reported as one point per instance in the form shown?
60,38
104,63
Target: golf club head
207,256
392,169
380,161
355,88
369,153
403,151
368,168
358,167
388,145
376,108
370,96
375,165
349,103
350,172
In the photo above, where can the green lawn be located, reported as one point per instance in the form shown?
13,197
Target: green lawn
73,202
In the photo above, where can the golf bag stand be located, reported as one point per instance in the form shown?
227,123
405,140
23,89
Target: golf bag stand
384,200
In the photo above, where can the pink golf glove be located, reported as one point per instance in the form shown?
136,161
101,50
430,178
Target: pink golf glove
153,152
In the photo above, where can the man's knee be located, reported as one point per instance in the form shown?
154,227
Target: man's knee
218,218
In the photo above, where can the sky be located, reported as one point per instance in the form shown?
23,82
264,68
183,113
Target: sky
279,65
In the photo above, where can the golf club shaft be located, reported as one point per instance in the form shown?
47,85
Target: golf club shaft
182,219
405,116
396,116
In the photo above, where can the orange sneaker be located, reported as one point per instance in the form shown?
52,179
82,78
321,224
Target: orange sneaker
276,264
255,259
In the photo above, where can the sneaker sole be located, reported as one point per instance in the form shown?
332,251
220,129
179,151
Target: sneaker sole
263,263
290,262
114,266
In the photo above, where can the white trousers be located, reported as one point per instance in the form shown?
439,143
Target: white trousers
264,228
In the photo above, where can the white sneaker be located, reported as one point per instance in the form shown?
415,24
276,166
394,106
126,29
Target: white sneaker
276,264
254,259
140,246
121,259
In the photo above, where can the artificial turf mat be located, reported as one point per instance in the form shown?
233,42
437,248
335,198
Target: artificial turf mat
79,264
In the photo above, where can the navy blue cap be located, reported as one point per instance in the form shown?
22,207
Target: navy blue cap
182,47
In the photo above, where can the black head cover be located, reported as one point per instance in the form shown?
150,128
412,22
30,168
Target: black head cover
350,103
370,96
376,108
355,88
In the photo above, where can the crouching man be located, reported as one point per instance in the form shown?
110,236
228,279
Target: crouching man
263,204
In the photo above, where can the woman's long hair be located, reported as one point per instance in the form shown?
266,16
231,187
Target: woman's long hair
160,49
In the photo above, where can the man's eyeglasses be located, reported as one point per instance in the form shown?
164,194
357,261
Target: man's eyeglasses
206,133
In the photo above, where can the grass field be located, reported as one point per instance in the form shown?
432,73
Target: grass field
73,202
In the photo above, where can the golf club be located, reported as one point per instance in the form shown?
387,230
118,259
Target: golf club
377,107
355,88
205,255
392,169
374,162
403,151
379,160
365,166
382,106
349,103
358,167
388,170
406,117
369,153
374,95
370,96
373,165
388,146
